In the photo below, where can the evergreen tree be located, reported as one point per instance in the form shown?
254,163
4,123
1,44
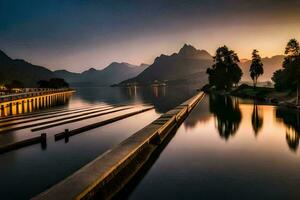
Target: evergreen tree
256,68
14,84
292,51
289,76
225,71
55,83
257,119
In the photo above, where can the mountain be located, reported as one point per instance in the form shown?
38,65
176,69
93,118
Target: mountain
186,66
114,73
270,66
17,69
29,74
70,77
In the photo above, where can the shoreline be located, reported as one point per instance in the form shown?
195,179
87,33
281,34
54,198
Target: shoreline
262,95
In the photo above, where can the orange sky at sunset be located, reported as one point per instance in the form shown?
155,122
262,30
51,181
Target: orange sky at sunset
76,35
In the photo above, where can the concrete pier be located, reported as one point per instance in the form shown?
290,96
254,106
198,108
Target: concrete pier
105,176
27,102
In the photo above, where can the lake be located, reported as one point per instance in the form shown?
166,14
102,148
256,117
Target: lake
227,148
28,171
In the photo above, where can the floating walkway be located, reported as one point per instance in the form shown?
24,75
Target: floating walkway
103,115
105,176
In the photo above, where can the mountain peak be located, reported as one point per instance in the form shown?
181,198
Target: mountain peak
190,51
3,56
114,63
89,71
144,65
187,49
92,69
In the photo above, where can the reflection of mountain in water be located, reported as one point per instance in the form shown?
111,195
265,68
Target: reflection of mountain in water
163,98
292,120
257,119
227,114
200,114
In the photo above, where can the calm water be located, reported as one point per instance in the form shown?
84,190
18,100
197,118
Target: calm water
31,170
227,149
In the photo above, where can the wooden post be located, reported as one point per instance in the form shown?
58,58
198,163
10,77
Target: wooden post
3,111
66,135
44,140
297,101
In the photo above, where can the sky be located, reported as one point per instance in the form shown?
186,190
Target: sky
80,34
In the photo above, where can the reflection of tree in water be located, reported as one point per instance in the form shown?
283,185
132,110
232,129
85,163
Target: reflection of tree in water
257,119
200,114
292,138
292,121
227,113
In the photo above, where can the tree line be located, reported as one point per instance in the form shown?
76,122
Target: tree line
226,73
54,83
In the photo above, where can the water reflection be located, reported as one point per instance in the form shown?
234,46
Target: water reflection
227,114
200,114
257,119
292,121
163,98
198,162
32,104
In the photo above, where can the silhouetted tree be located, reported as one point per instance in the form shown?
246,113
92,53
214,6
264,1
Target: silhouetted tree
257,120
280,79
14,84
256,68
225,71
292,51
293,70
292,138
227,113
289,76
291,119
53,83
43,84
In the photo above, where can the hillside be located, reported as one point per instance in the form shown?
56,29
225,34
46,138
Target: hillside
114,73
27,73
188,65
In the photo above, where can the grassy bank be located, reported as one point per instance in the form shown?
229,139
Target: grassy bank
265,94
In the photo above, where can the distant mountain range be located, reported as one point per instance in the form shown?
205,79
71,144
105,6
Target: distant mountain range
29,74
114,73
187,66
270,66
